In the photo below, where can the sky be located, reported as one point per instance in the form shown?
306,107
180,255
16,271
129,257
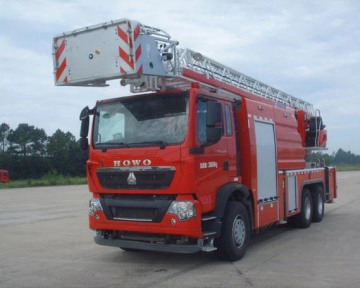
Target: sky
307,48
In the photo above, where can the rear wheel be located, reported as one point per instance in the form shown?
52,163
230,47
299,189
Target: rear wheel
303,220
318,204
235,233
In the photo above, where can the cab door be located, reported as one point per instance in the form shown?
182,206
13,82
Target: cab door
232,161
213,162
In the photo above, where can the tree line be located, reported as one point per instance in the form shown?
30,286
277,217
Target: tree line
340,157
27,152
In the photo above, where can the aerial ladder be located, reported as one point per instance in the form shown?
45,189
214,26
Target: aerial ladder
147,59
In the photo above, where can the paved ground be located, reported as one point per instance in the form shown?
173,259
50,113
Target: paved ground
45,242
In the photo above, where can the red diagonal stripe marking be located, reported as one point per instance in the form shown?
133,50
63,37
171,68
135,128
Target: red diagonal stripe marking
60,70
60,50
122,34
137,53
123,55
136,32
140,71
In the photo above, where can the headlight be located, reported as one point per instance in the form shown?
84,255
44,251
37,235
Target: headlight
94,205
184,210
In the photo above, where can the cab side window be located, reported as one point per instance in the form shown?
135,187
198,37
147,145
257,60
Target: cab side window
228,123
201,121
209,121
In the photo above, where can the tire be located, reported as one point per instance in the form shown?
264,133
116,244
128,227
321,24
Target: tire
235,233
318,204
303,220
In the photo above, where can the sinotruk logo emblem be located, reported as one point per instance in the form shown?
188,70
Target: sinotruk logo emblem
131,180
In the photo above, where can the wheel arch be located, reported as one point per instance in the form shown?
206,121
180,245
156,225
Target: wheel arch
312,185
234,192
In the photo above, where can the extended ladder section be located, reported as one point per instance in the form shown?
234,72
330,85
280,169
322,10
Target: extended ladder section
146,58
214,70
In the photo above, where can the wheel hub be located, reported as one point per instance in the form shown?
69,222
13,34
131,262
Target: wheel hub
307,208
239,231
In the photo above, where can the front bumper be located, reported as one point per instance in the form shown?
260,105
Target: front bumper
139,245
127,213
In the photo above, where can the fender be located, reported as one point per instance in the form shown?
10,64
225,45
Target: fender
312,183
225,193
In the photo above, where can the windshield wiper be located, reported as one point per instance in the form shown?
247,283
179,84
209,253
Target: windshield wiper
160,143
106,145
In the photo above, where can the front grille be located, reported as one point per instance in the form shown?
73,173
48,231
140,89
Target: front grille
136,178
141,208
133,214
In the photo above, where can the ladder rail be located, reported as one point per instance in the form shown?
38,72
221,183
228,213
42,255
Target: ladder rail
212,69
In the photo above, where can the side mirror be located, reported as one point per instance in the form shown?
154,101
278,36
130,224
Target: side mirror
213,134
85,112
84,129
84,145
213,115
213,122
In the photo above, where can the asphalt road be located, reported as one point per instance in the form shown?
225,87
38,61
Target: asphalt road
45,242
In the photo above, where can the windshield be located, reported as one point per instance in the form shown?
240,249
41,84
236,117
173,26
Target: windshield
148,120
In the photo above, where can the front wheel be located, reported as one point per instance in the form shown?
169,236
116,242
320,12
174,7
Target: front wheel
235,233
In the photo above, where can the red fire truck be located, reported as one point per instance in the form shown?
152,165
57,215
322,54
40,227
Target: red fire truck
209,156
4,176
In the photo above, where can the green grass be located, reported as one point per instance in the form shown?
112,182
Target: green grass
51,179
347,167
55,179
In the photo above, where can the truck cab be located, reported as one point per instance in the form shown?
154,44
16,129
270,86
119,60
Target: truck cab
155,165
